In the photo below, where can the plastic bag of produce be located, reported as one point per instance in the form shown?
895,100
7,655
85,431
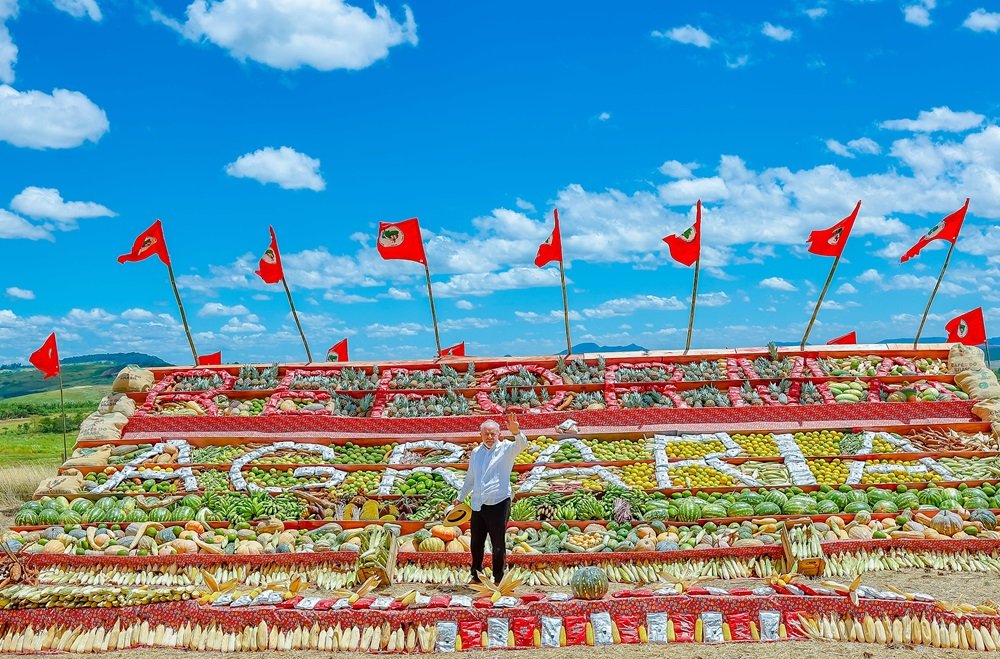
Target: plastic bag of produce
793,625
496,632
447,632
601,623
683,627
117,403
524,628
69,483
471,632
102,426
769,623
628,628
551,632
739,626
965,358
132,378
980,385
97,458
656,627
711,627
576,630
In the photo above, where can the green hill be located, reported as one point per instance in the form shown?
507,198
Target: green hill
85,371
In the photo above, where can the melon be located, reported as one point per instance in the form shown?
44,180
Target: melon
48,516
767,508
741,509
856,496
182,514
827,507
885,506
750,497
69,517
689,510
115,517
907,500
26,517
799,505
589,583
667,545
432,544
191,501
711,510
857,507
984,517
949,504
81,505
158,515
838,498
137,515
776,496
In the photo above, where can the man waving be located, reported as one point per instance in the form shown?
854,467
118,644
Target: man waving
488,481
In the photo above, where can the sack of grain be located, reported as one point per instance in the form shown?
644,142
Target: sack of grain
99,426
95,458
965,358
117,403
69,483
987,410
980,385
132,378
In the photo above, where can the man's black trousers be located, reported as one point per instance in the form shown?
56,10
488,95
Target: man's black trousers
491,521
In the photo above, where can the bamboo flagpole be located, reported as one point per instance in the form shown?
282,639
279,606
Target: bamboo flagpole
402,241
829,242
434,318
62,405
685,248
549,251
562,281
937,284
295,315
180,306
270,270
986,343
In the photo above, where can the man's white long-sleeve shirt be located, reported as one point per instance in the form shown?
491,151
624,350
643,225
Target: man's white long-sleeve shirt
488,477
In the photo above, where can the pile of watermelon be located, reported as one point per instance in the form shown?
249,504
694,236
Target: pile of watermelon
49,511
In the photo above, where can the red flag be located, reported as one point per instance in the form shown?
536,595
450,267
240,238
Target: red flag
551,249
401,240
831,242
457,350
148,243
946,229
969,328
851,338
338,353
46,358
685,248
270,264
213,359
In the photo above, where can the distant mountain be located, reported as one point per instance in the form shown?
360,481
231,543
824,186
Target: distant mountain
123,358
85,370
593,347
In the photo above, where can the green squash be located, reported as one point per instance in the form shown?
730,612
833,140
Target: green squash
589,583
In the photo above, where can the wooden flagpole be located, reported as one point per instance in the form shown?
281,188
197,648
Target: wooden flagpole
986,341
694,301
180,305
923,319
62,404
434,318
819,302
562,280
295,315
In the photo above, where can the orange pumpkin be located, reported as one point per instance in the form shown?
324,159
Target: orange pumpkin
194,526
446,533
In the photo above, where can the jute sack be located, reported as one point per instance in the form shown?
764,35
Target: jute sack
980,385
69,483
132,378
988,410
965,358
117,403
99,426
97,458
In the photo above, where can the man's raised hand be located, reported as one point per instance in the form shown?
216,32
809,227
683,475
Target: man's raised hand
512,425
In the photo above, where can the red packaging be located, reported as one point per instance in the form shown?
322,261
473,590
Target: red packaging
697,590
363,603
524,631
532,597
471,633
683,627
781,590
439,602
805,589
642,593
739,626
741,592
481,603
325,605
628,628
396,606
289,603
576,630
622,593
793,625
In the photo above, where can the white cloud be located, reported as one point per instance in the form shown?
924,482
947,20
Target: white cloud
677,169
15,226
218,309
816,13
626,306
485,283
48,204
464,305
719,299
79,8
138,314
289,34
846,289
687,34
555,315
737,62
8,51
982,21
380,330
524,205
909,282
838,148
451,324
776,32
20,293
346,298
236,326
604,116
919,14
92,317
778,284
869,276
285,166
689,191
937,119
60,120
396,294
861,145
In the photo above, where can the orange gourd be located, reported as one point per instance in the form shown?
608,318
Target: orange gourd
445,533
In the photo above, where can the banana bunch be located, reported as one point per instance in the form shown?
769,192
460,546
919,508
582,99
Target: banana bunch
24,596
181,408
905,630
768,473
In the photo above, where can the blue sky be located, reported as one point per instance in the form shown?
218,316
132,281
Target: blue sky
322,118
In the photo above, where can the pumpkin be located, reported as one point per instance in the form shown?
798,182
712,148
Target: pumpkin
984,517
445,533
432,544
589,583
250,548
644,532
645,544
184,546
194,526
408,546
54,547
947,523
454,547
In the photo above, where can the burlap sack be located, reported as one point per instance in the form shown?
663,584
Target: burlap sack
996,430
69,483
988,410
980,385
98,458
965,358
117,403
132,378
102,427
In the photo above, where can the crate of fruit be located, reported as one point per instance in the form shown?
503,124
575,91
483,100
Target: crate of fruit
523,388
193,381
445,377
772,366
320,403
642,372
411,405
336,379
921,391
169,404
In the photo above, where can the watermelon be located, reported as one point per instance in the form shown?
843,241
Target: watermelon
48,516
838,498
741,509
107,503
856,496
930,496
856,507
885,506
137,515
689,510
81,505
182,514
776,496
949,504
880,495
799,505
975,502
191,501
827,507
589,583
69,517
766,508
907,500
160,514
115,517
26,517
711,510
750,497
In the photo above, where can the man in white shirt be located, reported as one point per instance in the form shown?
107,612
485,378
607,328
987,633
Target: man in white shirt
488,481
